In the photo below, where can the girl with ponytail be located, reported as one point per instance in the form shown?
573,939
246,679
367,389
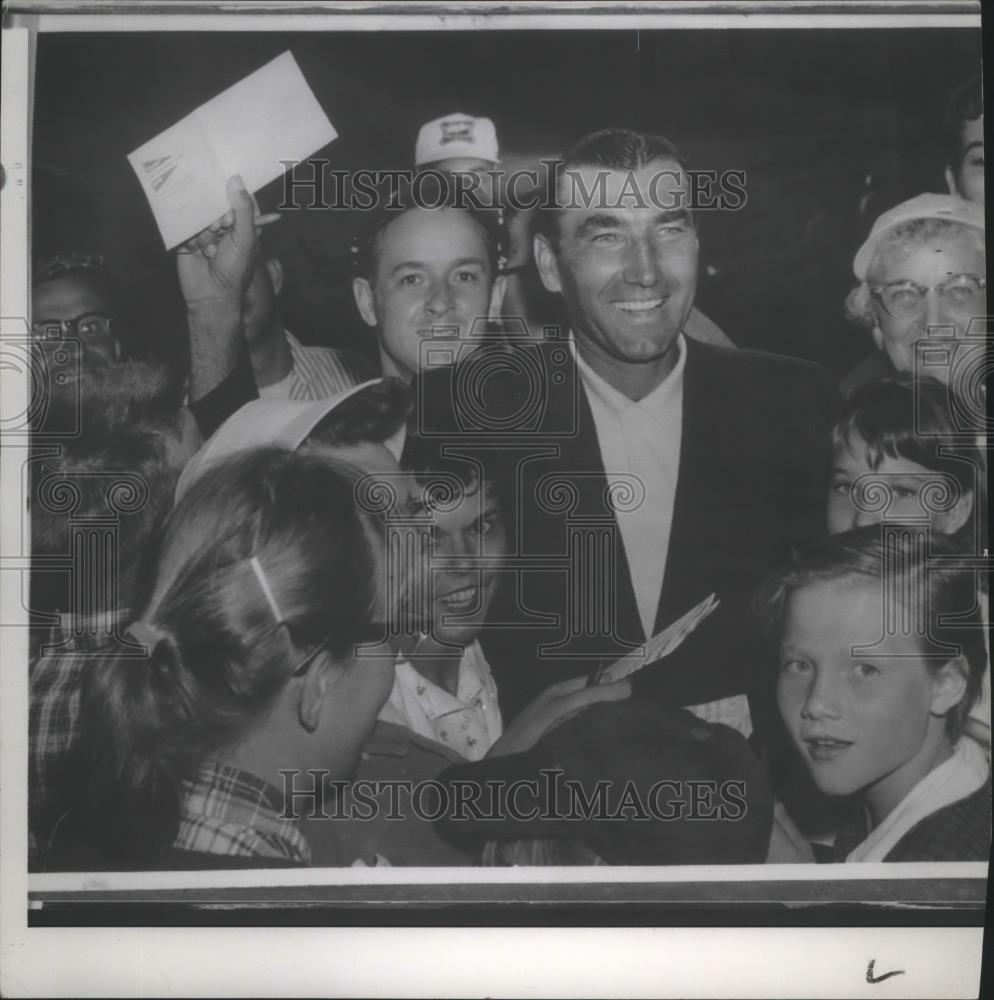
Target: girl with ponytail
247,663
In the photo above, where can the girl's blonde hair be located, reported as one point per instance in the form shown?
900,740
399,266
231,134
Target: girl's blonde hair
266,555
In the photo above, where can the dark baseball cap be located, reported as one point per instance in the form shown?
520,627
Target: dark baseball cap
638,784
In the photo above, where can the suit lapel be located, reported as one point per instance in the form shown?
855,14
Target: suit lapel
580,463
695,534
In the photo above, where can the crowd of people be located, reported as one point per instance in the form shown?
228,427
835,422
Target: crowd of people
305,607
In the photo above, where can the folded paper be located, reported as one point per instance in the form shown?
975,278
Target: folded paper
253,128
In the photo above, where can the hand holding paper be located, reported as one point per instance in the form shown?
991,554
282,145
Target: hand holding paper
250,129
216,265
214,272
661,644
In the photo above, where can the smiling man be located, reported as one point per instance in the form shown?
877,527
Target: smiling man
642,471
427,279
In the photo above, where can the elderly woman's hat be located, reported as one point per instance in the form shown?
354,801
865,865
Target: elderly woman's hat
923,206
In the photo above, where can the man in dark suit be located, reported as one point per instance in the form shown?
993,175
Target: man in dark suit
640,471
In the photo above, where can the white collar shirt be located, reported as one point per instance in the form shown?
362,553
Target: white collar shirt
640,442
468,722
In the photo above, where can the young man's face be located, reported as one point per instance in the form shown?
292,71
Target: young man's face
929,265
627,269
468,536
73,297
967,179
896,490
863,721
433,280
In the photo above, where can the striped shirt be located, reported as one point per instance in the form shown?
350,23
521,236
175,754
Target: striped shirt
233,813
319,372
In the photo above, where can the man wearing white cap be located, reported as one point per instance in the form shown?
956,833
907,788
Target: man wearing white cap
457,143
922,272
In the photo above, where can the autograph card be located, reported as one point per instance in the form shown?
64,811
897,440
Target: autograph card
662,643
270,116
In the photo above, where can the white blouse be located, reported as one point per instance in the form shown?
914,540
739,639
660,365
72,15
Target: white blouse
468,721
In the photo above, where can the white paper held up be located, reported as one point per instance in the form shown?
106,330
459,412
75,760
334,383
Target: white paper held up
269,116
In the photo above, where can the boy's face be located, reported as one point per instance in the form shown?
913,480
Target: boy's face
861,719
468,538
967,180
896,490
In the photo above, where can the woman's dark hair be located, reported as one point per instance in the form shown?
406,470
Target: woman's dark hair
919,420
924,574
217,654
427,457
375,413
965,104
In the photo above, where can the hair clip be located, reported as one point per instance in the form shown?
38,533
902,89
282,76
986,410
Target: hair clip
260,575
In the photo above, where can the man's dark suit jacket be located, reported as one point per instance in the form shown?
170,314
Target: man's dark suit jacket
752,480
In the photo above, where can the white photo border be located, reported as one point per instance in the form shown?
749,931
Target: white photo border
939,961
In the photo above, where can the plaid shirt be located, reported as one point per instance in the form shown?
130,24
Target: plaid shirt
55,683
320,372
231,812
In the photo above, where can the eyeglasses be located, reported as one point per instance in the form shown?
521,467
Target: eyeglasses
84,327
962,293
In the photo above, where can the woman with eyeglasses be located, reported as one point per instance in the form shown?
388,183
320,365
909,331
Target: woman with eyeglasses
922,273
254,657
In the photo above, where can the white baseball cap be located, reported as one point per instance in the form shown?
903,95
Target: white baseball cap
270,423
456,135
923,206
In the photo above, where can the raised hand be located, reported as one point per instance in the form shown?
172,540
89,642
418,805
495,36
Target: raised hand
216,266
